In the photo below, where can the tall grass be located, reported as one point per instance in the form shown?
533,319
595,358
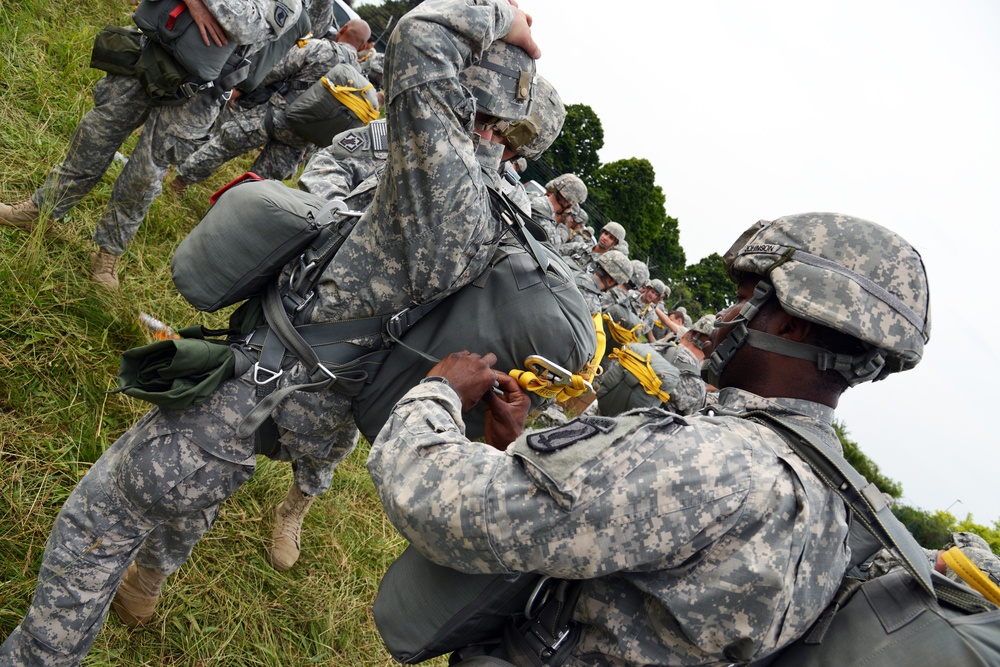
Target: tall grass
60,341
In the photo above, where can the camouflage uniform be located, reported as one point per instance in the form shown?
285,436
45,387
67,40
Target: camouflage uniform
168,136
246,129
333,172
156,490
739,546
689,395
545,216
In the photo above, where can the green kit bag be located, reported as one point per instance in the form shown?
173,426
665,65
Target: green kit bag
116,50
176,373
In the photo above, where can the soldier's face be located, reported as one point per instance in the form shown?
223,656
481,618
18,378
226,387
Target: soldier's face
606,240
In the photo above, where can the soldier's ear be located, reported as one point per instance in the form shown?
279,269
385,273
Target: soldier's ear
791,327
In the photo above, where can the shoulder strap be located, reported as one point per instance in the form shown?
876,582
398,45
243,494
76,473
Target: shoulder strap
865,500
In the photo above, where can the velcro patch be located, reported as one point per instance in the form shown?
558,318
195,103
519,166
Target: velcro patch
564,436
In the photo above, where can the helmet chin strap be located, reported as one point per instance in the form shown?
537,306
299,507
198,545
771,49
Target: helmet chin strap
712,367
855,369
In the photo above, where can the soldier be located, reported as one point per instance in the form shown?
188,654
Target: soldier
357,151
155,492
684,540
169,134
610,270
263,124
561,194
583,254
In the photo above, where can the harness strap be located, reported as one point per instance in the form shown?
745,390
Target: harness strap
865,500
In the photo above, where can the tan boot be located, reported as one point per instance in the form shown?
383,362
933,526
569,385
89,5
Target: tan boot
137,595
22,215
104,268
287,531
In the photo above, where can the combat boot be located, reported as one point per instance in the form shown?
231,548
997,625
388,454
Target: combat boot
104,268
137,595
287,531
22,215
179,185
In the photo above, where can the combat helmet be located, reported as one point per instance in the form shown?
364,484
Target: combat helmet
704,325
660,287
570,187
501,82
533,134
842,272
615,265
640,273
615,229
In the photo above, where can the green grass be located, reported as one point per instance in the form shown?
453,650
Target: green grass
60,341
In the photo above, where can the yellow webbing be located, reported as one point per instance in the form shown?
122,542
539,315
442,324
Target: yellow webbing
642,369
531,382
358,104
972,575
622,335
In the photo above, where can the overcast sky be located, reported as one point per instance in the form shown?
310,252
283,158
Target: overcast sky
887,110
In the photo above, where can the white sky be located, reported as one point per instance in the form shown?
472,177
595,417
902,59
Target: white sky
884,109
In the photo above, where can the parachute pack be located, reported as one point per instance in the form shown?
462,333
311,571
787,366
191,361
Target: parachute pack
341,100
166,53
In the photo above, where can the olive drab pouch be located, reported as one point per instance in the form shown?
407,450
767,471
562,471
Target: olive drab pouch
160,75
177,373
253,229
116,50
339,101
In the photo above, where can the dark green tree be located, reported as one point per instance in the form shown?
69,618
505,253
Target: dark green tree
865,465
379,16
575,149
930,530
625,191
706,284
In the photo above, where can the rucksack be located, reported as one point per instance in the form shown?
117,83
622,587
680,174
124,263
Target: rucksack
320,113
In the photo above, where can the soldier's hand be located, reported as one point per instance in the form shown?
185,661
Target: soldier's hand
520,33
471,375
505,413
210,29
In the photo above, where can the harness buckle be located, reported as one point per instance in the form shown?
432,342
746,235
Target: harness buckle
552,372
270,376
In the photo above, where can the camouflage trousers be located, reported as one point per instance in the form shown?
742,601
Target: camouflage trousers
150,498
242,132
168,136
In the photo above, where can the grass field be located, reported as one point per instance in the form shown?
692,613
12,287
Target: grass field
60,341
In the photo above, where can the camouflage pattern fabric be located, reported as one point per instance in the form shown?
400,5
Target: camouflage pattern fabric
333,177
544,216
702,540
169,135
244,130
192,459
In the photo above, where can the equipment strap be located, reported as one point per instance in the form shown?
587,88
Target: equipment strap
620,334
358,104
642,368
971,574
